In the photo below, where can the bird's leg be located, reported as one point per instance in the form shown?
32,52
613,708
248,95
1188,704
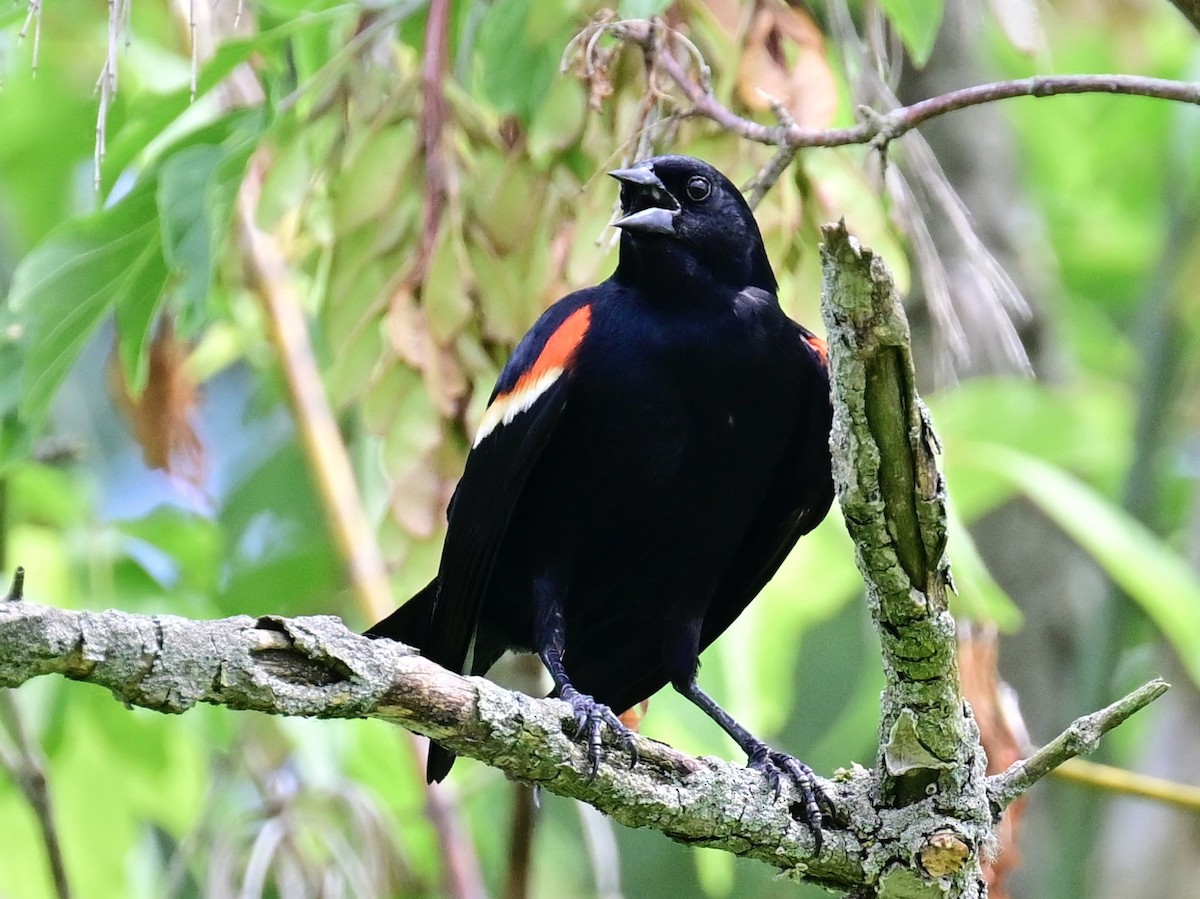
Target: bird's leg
590,716
762,758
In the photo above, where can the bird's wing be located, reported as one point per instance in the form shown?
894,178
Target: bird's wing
525,407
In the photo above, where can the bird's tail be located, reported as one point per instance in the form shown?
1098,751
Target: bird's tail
410,624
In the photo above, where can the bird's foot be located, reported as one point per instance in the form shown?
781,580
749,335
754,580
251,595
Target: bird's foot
774,765
590,718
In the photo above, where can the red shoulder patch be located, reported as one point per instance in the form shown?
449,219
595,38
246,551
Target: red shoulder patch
819,345
547,368
559,349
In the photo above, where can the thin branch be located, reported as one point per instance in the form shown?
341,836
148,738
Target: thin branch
27,767
1079,738
34,16
195,50
761,183
520,842
433,134
1112,779
880,128
462,877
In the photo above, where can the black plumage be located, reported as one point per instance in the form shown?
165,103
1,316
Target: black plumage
652,451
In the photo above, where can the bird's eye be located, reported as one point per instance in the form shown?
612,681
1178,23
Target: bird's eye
698,188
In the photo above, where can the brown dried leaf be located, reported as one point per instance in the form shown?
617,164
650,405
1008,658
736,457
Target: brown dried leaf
409,334
1004,738
417,499
160,418
632,718
806,88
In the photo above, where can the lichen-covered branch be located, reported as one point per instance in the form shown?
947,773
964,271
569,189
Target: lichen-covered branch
1080,738
892,499
315,667
931,767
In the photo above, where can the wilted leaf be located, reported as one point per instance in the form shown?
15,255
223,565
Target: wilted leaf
409,335
727,14
160,417
641,9
416,500
1003,735
784,59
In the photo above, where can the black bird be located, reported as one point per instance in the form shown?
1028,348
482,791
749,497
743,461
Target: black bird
652,451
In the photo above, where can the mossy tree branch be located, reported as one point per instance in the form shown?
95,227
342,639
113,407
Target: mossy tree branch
930,761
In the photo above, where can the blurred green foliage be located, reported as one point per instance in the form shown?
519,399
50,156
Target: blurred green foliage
409,346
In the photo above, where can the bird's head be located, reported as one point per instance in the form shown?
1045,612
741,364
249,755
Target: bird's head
685,226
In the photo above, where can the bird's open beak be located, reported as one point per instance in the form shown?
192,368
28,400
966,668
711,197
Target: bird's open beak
646,204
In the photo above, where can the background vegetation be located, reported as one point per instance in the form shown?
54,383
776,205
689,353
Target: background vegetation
151,460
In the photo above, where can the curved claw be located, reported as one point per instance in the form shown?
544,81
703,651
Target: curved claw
772,764
590,718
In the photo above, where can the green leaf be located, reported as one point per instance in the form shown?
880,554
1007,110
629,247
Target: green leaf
917,22
183,188
122,258
14,435
197,188
192,543
1148,570
62,290
516,69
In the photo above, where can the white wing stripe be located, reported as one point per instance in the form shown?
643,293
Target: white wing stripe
508,406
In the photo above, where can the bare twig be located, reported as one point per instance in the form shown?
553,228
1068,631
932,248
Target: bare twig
520,842
17,591
761,183
462,877
1129,783
433,127
27,768
34,16
195,60
880,128
1080,738
107,86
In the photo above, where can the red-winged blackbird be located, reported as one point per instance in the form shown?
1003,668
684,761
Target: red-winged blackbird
652,451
